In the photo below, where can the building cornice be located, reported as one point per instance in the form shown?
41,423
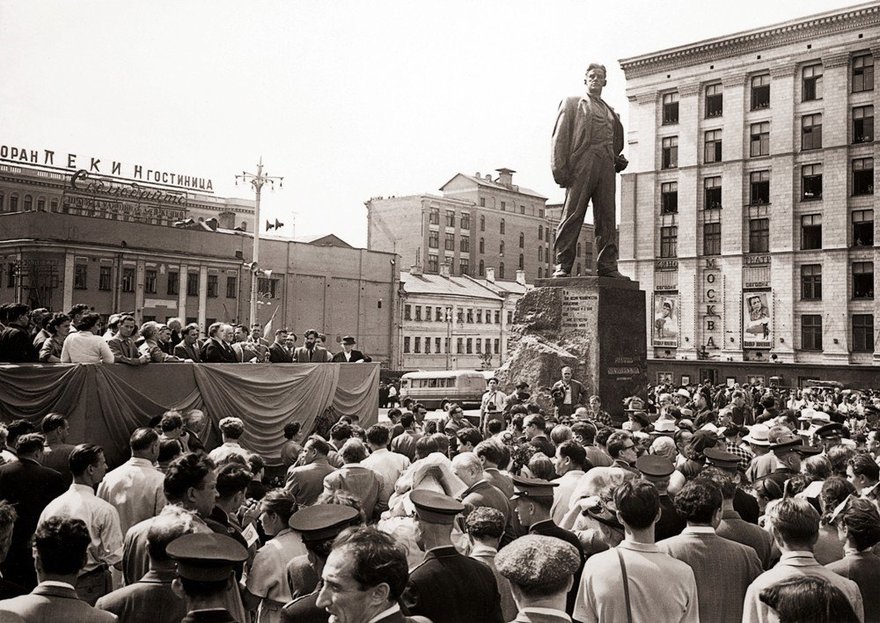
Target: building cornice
795,31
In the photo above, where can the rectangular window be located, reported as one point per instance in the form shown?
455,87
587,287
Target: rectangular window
503,206
863,280
449,242
464,266
80,276
669,159
465,220
811,282
433,239
434,216
438,314
470,316
105,278
811,231
231,287
150,281
759,187
760,139
811,332
267,287
712,239
417,347
469,345
712,151
436,344
863,333
482,202
464,245
450,219
192,284
10,275
862,73
433,263
479,316
669,241
863,124
418,312
669,198
407,312
459,345
173,282
760,91
212,286
811,182
497,346
427,346
509,317
812,83
714,101
406,345
128,279
497,317
811,131
522,209
759,235
712,193
478,345
670,108
863,228
862,176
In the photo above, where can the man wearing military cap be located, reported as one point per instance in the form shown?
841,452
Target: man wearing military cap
448,587
205,569
743,503
657,470
540,570
787,448
533,499
830,434
318,526
348,354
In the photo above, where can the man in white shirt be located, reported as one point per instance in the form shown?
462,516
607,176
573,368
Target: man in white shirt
794,524
86,345
231,428
135,487
388,465
88,465
493,400
570,463
636,565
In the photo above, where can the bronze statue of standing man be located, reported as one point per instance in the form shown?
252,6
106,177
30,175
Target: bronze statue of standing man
587,142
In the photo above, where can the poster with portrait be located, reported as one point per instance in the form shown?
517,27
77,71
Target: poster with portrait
666,327
757,320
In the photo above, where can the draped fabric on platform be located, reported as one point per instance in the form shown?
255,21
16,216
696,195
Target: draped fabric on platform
106,402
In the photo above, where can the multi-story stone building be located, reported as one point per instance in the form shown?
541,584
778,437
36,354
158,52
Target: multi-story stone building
477,223
748,205
168,252
455,322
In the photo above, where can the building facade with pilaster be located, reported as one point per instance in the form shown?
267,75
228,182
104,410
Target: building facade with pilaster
747,211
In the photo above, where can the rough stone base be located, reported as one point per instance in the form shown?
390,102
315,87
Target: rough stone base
594,325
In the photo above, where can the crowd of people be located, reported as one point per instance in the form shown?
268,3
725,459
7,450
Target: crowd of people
713,503
79,336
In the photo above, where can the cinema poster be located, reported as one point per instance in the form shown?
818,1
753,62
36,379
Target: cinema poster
757,320
667,321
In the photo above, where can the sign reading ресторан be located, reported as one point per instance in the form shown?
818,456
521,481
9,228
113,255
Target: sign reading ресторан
104,167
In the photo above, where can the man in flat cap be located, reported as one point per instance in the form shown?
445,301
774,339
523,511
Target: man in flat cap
533,499
205,570
657,469
318,526
448,587
721,594
348,354
364,579
540,570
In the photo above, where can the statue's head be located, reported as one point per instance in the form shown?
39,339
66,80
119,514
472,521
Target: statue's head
595,77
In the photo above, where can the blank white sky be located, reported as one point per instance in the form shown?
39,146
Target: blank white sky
345,99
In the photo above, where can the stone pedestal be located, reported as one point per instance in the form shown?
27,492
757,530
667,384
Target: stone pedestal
595,325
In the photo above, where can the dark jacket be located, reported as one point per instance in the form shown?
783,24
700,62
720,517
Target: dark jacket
16,346
549,528
356,356
279,354
214,351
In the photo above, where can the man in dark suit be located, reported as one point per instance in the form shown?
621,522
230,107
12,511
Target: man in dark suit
311,352
217,348
306,481
574,394
60,544
278,352
468,467
151,599
7,523
587,144
348,354
533,499
29,486
188,347
16,344
657,470
448,587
